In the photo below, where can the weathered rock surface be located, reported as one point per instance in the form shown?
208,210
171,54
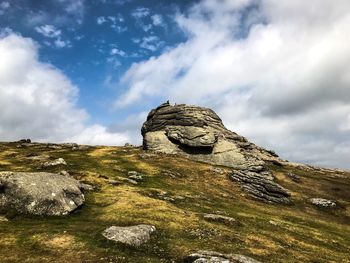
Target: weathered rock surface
39,193
199,134
220,218
321,202
261,186
204,256
59,161
132,235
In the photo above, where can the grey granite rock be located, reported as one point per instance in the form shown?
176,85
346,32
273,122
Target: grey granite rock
39,193
199,134
261,186
132,235
221,219
321,202
204,256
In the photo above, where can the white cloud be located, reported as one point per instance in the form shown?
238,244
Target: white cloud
151,43
276,71
116,51
59,13
59,43
48,31
140,12
101,20
51,31
113,21
157,20
38,101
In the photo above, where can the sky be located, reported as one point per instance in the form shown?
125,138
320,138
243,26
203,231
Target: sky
89,71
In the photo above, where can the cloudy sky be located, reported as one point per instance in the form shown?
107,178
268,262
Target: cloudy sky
276,71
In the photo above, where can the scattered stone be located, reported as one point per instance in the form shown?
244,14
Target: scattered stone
133,175
199,134
171,174
80,147
55,147
128,145
134,236
147,155
261,187
204,256
321,202
39,193
136,177
59,161
131,181
294,177
218,170
273,223
114,182
221,219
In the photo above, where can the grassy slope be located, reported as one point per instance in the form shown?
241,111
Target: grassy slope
270,233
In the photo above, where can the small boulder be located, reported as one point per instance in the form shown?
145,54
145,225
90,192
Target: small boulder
324,203
204,256
134,236
59,161
133,175
221,219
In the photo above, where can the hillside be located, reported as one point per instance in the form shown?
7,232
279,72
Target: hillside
174,195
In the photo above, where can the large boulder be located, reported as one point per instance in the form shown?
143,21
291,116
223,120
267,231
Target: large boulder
39,193
198,133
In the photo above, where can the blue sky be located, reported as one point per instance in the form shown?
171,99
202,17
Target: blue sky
95,42
275,71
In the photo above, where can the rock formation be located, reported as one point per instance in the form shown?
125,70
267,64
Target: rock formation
39,193
199,134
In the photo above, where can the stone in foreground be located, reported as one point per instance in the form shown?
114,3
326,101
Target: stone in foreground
199,134
39,193
204,256
134,236
321,202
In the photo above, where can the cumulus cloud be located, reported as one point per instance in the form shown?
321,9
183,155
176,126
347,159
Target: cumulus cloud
38,101
276,71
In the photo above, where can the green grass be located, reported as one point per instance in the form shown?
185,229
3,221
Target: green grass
266,232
